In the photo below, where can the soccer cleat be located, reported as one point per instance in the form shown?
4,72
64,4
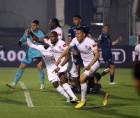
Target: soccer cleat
112,83
105,99
74,100
80,105
42,87
13,86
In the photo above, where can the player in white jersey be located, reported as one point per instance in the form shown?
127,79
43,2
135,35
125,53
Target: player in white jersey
55,26
56,47
137,51
90,55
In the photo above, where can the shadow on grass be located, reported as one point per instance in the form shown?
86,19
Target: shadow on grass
109,111
11,101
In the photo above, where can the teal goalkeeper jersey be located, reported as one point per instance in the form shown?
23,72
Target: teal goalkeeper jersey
31,53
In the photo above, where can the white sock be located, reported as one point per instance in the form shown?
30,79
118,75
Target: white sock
67,88
62,92
83,91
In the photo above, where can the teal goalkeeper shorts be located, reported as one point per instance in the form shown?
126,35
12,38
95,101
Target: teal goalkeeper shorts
31,60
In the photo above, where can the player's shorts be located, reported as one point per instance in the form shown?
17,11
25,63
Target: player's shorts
76,56
31,60
93,68
72,70
63,69
52,76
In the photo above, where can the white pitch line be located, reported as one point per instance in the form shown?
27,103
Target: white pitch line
27,95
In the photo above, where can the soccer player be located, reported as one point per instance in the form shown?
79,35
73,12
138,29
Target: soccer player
75,53
56,47
55,26
32,56
90,55
106,45
77,22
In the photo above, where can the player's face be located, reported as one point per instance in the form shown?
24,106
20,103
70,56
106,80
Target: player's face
34,27
51,24
53,38
80,35
76,21
105,29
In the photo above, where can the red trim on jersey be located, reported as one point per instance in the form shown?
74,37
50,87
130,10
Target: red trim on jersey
64,45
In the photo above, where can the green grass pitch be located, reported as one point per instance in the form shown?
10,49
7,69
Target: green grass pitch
123,102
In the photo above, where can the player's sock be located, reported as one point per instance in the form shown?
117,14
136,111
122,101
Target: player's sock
68,89
83,91
18,75
111,77
42,76
104,73
62,91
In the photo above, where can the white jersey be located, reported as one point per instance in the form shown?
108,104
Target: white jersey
86,48
137,51
59,32
58,48
48,58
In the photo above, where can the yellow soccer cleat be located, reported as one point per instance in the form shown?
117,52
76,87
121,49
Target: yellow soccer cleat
80,105
105,99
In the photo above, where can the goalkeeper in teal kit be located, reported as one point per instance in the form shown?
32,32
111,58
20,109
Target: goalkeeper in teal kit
32,56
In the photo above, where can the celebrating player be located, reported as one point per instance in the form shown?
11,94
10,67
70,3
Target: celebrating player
56,48
90,55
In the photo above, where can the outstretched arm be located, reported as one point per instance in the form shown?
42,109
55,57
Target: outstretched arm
116,41
37,47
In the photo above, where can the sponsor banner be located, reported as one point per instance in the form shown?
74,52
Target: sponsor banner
123,56
11,56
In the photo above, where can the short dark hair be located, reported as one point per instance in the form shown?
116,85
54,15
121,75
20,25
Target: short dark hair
54,33
55,21
77,16
82,29
36,22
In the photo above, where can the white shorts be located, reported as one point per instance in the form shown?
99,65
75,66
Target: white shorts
63,68
52,76
93,68
72,70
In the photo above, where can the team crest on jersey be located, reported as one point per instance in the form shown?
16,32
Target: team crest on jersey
64,45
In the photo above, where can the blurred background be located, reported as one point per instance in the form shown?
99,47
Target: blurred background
123,16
